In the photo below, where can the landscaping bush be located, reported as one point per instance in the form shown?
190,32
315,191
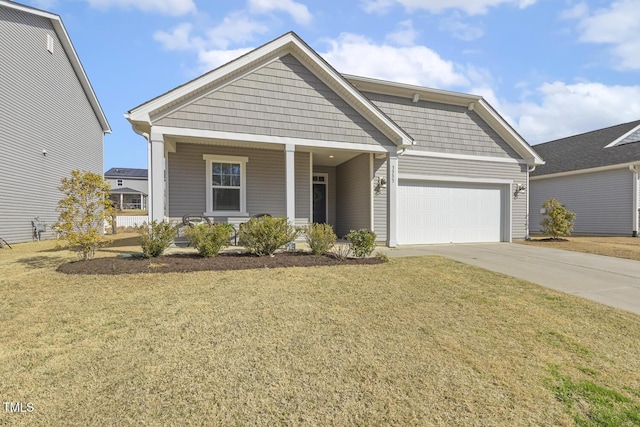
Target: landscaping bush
264,235
83,211
557,220
341,251
155,237
363,242
209,239
320,238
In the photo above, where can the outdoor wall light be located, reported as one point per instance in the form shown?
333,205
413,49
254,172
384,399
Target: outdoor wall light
519,188
382,182
44,151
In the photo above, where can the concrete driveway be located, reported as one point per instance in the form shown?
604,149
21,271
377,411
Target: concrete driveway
608,280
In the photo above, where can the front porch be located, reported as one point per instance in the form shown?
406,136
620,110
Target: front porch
231,181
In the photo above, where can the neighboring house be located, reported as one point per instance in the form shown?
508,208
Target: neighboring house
595,175
279,131
50,119
129,187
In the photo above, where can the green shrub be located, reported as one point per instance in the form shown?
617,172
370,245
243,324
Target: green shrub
363,242
264,235
209,239
155,237
320,237
382,256
557,220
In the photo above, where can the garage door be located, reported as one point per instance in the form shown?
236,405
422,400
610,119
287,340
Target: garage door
449,212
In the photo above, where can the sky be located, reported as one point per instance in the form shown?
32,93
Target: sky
551,68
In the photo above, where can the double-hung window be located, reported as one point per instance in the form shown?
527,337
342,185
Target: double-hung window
226,184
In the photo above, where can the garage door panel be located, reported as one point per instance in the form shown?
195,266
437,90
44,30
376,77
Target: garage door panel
439,212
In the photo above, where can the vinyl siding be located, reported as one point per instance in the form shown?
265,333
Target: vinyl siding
421,165
265,175
135,184
602,201
443,128
380,200
353,198
283,99
42,106
331,189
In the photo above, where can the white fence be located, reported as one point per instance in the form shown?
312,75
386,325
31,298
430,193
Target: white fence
128,221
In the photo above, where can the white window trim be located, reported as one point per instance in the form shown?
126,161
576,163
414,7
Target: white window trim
214,158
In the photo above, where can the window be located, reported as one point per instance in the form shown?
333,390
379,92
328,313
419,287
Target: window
226,186
119,183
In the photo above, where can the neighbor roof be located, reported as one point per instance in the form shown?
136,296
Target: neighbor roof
126,190
126,173
591,150
60,30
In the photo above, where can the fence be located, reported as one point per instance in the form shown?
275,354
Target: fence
128,221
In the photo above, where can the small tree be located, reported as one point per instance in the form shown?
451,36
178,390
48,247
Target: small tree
557,220
83,211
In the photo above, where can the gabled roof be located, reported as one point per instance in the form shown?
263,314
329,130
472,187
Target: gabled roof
599,148
61,32
126,173
126,190
472,102
289,43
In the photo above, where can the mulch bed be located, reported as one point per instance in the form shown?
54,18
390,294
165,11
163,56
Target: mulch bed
182,263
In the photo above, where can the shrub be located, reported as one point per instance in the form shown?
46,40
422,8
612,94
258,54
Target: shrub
341,251
320,237
264,235
155,237
382,256
363,242
209,239
557,220
83,210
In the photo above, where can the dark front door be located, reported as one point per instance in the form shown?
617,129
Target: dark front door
320,203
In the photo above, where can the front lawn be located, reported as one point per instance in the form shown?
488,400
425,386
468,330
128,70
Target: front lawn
619,247
416,341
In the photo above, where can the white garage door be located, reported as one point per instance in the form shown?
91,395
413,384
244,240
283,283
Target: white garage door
448,212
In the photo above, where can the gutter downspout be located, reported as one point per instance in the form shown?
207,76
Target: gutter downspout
530,169
634,170
149,170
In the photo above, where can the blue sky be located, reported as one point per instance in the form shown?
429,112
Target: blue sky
552,68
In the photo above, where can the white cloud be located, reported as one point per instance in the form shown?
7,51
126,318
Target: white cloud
178,39
617,26
461,30
354,54
165,7
235,28
405,36
210,59
569,109
471,7
298,11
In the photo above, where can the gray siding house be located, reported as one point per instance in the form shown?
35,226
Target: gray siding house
280,131
595,175
129,187
50,119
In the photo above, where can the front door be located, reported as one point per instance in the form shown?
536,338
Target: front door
320,198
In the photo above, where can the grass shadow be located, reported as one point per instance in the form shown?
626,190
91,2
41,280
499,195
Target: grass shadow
37,262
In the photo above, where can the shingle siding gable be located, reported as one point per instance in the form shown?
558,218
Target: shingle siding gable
284,99
443,128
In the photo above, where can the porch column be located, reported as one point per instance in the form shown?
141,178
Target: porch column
636,198
392,192
121,202
156,177
290,166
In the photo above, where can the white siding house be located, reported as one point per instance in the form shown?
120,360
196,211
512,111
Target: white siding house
50,119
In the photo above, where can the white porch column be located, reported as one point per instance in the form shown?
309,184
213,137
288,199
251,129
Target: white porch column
156,177
636,198
290,166
392,192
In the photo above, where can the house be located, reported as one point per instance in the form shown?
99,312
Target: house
50,119
280,131
129,187
595,175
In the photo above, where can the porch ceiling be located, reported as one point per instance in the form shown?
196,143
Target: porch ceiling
321,156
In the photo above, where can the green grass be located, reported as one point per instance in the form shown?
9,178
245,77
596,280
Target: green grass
417,341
